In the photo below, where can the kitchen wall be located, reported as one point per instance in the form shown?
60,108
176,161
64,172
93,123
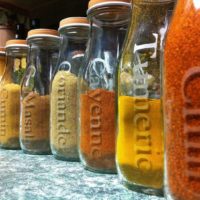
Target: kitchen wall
49,11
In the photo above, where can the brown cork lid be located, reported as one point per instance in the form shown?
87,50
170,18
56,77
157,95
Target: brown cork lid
73,20
16,43
95,2
45,32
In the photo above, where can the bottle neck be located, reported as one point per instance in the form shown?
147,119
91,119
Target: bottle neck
16,62
72,49
105,41
149,23
152,13
43,52
41,62
108,30
143,48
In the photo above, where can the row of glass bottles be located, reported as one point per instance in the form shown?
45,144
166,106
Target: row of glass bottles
97,79
140,127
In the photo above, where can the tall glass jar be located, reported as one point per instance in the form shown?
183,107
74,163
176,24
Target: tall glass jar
2,62
64,128
16,54
35,101
140,127
182,103
109,20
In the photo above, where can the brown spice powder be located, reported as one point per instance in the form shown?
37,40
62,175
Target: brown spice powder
35,122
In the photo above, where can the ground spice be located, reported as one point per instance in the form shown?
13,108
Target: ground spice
64,116
35,123
98,130
2,64
141,139
182,102
140,126
9,115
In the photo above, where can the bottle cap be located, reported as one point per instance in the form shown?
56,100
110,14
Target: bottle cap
97,3
16,43
42,33
73,21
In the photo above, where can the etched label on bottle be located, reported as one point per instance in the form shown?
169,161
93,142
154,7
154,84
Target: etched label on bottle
191,126
28,107
3,99
142,121
101,74
61,114
35,117
143,136
95,124
140,81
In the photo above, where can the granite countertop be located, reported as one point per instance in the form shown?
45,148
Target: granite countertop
30,177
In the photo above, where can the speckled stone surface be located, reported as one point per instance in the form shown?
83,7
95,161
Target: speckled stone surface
30,177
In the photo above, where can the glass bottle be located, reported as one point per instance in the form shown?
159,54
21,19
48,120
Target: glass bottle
109,20
16,54
2,62
35,102
181,103
140,127
64,128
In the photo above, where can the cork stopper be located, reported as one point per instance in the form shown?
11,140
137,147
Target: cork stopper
93,3
42,32
72,21
16,43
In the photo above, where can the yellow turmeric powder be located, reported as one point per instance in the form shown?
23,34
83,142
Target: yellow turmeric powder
9,115
139,143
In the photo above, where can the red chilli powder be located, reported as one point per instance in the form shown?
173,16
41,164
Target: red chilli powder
182,102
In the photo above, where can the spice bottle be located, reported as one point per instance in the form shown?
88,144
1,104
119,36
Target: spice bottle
35,102
140,127
109,20
181,103
64,128
16,54
2,62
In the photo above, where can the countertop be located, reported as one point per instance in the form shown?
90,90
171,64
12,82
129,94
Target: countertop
33,177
